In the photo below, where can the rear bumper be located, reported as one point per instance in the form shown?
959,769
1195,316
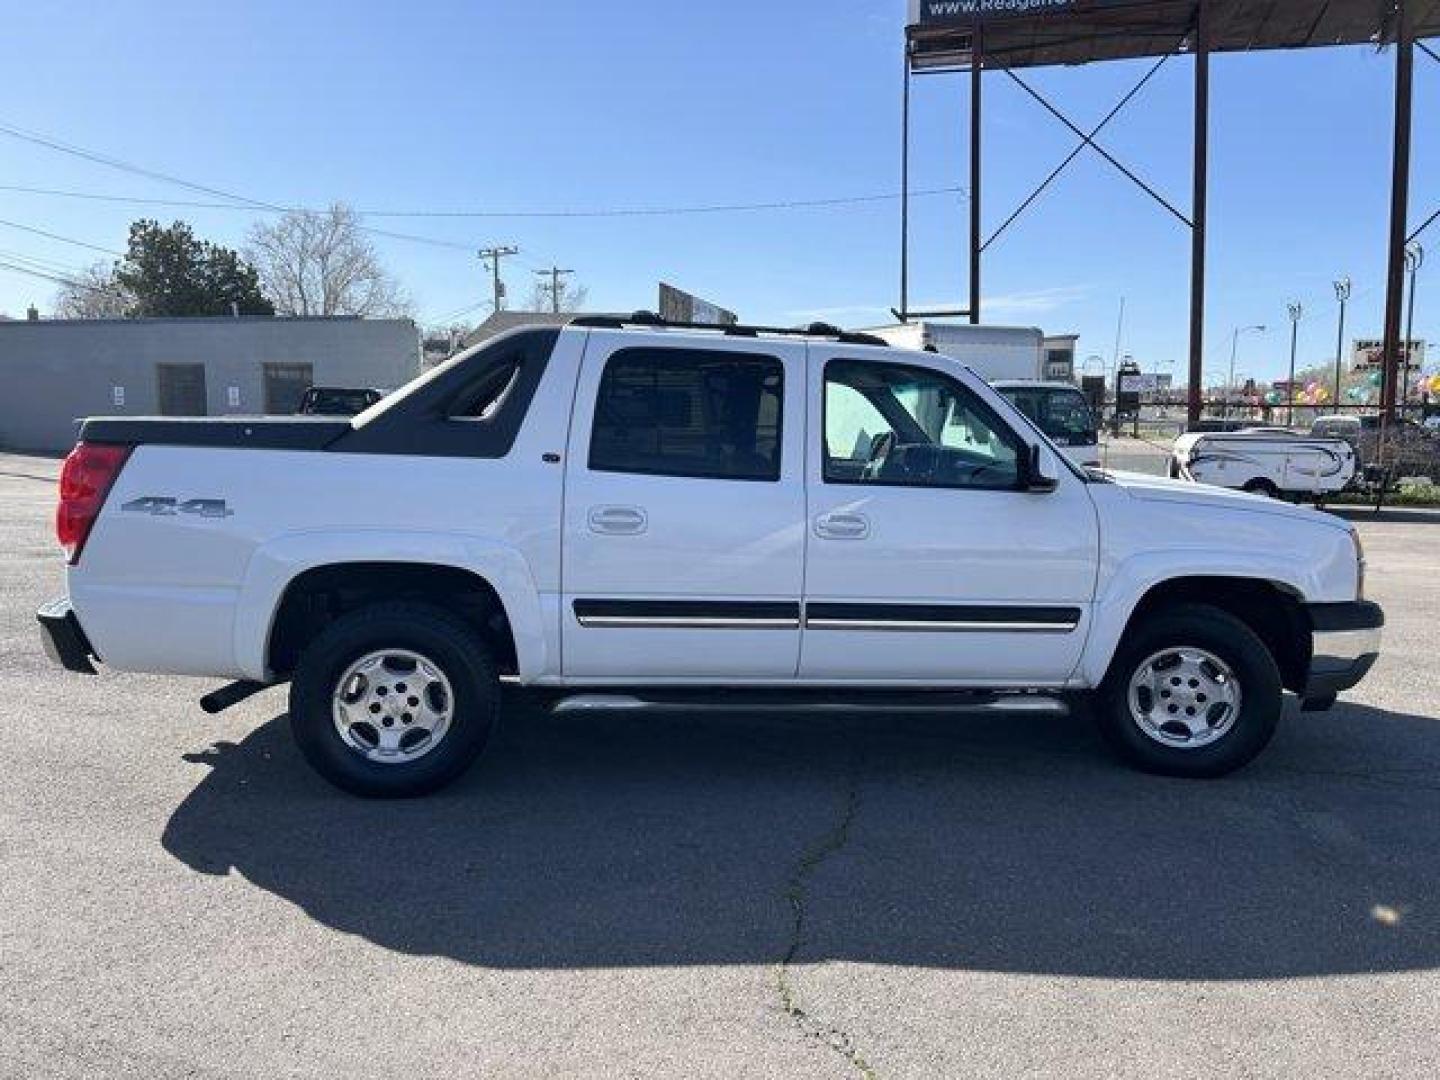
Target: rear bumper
65,642
1345,643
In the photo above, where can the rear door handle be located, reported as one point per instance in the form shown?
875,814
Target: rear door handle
843,525
617,520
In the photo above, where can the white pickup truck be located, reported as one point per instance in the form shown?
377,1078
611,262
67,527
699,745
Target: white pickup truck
626,514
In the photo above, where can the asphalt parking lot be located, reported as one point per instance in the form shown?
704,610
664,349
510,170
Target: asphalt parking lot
702,896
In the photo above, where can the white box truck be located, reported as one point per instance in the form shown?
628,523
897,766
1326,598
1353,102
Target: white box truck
992,352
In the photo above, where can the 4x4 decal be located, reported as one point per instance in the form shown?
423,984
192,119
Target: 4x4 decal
165,506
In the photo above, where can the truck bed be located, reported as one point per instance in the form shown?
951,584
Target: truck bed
270,433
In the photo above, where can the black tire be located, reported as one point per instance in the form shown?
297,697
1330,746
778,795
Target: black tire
446,641
1262,486
1229,640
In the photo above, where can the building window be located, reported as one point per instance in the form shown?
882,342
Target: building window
1059,364
689,412
180,389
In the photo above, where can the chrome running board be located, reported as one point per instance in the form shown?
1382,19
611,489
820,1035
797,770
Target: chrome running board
816,701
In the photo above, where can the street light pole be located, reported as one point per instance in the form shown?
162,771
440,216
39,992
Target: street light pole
1230,382
1342,293
1296,313
1414,259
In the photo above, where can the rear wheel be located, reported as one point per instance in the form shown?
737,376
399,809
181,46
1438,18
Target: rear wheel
394,700
1192,692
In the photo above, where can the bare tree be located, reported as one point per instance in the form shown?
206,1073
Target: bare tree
572,298
320,263
93,293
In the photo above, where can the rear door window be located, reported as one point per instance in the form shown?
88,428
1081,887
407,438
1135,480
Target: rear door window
689,412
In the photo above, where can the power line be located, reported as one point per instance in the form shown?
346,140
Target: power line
461,311
134,200
669,211
7,265
597,212
62,239
245,201
124,166
53,265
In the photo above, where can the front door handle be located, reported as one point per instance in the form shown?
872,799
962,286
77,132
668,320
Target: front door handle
843,525
617,520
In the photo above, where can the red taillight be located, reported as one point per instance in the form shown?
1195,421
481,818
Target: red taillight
84,482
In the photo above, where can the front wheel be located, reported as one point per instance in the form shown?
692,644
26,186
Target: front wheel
394,700
1192,692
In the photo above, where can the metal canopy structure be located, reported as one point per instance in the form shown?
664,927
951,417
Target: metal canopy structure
1043,34
1008,36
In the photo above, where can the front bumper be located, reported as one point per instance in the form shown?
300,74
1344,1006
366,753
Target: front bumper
65,642
1345,643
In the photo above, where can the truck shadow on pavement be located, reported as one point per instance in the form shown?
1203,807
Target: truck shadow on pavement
1008,845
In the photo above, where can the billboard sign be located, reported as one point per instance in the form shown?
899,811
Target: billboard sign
1368,354
1139,382
960,12
677,305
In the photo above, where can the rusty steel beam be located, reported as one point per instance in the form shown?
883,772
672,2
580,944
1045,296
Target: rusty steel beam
1198,211
1399,206
977,69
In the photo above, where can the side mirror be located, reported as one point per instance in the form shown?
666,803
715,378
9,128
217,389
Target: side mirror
1034,476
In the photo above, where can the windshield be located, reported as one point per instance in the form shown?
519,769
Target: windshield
1060,412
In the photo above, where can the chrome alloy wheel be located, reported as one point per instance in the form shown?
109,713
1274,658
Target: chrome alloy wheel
393,706
1184,697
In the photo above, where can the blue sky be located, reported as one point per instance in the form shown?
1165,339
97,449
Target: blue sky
575,106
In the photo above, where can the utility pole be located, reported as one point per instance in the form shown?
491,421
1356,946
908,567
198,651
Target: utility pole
1414,259
1342,293
1297,312
555,288
493,255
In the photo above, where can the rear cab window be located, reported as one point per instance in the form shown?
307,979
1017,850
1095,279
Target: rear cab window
473,405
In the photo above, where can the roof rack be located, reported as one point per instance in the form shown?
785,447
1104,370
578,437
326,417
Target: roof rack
649,318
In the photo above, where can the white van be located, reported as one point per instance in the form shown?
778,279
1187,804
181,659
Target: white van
1061,411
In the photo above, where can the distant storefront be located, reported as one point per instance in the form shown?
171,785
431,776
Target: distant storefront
58,370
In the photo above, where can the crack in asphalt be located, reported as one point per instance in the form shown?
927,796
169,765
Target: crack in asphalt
797,894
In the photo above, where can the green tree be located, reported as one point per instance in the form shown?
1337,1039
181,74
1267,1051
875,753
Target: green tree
168,271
